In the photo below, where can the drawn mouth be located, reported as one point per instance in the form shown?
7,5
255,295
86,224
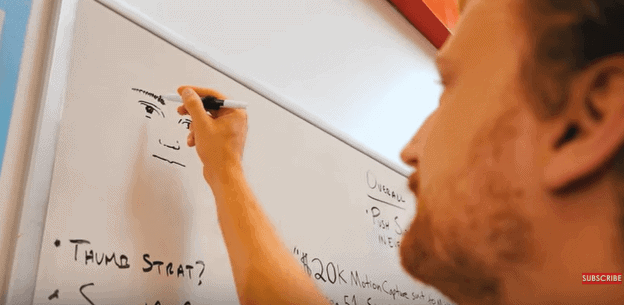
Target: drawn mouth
171,162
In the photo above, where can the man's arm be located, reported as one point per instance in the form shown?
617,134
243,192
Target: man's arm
264,271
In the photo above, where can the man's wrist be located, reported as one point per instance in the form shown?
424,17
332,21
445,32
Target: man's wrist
224,176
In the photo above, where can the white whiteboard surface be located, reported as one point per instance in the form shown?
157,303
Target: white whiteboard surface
112,193
357,65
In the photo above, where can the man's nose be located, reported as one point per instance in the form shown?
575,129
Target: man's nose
173,144
414,150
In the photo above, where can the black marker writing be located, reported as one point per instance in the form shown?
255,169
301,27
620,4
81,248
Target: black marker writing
82,292
179,270
372,183
171,162
202,271
78,242
55,295
100,258
156,97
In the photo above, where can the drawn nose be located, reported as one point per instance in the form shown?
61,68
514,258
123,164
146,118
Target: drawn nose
175,146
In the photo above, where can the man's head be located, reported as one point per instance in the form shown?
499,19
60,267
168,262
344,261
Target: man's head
519,170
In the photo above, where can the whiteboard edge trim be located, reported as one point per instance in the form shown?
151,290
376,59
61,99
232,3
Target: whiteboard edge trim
25,261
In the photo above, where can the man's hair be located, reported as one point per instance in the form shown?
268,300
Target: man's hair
566,36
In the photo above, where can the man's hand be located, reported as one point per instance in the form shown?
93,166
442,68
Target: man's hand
265,272
220,138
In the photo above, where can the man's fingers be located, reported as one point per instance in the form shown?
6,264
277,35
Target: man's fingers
204,92
190,140
222,112
182,110
194,106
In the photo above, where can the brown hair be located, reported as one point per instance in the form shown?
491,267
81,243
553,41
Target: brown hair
567,36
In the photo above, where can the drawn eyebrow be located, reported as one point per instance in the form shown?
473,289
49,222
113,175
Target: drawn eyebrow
155,96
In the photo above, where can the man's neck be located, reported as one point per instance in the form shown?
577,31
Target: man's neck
585,236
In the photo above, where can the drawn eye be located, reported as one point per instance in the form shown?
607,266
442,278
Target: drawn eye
186,124
151,109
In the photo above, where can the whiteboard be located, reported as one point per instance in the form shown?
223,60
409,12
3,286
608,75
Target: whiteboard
130,219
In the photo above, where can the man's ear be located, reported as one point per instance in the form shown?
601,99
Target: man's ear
591,130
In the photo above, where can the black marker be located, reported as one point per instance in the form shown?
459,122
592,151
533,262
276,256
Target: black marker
210,102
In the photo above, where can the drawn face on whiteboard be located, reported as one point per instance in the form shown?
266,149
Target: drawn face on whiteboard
168,129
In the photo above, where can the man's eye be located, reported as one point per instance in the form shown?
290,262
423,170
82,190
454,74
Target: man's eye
186,124
149,109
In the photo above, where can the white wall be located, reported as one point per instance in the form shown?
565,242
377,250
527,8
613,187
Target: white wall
357,64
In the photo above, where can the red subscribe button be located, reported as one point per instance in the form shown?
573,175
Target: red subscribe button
602,278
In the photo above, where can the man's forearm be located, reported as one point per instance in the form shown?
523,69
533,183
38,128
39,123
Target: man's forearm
264,271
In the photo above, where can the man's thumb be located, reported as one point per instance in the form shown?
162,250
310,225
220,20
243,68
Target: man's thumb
194,106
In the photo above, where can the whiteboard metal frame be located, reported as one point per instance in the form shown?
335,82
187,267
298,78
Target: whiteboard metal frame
25,261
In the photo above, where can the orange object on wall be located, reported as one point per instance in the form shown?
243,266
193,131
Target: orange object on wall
445,10
433,18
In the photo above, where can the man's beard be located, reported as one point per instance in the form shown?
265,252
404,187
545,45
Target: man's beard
476,228
460,276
